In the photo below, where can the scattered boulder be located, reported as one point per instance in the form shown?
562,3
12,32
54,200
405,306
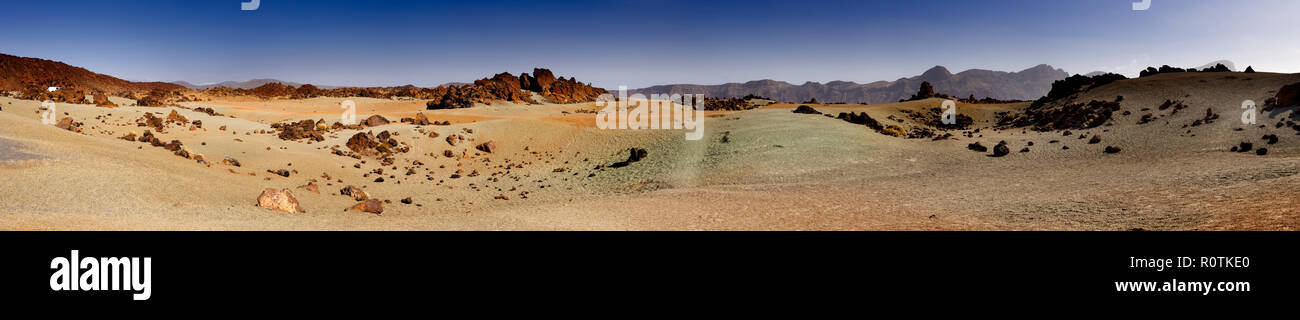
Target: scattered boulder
1271,138
489,147
375,121
1288,95
1095,139
101,100
280,172
173,146
1112,149
208,111
1262,151
636,154
186,153
354,192
68,124
148,137
279,200
176,117
455,139
1245,147
976,146
311,186
421,120
1001,149
369,206
407,200
230,161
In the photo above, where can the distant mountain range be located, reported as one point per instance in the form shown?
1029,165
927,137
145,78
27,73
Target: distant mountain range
250,84
243,84
1026,84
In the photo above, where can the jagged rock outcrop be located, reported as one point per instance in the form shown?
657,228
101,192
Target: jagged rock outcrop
507,87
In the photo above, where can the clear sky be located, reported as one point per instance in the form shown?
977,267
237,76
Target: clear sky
639,43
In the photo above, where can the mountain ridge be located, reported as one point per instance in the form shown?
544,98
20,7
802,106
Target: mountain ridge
250,84
1027,84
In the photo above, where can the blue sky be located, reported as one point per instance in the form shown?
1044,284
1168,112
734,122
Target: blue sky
639,43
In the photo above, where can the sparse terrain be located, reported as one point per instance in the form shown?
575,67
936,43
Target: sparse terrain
758,169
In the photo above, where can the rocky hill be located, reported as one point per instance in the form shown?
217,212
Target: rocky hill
1026,84
32,76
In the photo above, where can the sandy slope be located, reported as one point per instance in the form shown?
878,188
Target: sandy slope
777,170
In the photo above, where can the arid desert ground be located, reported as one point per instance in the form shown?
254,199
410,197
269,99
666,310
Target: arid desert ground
766,168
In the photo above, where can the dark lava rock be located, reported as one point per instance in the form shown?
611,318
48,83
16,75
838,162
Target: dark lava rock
1245,147
1001,149
636,154
1113,149
1272,138
806,110
977,147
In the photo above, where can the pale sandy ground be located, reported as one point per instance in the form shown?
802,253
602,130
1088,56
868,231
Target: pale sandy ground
779,171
